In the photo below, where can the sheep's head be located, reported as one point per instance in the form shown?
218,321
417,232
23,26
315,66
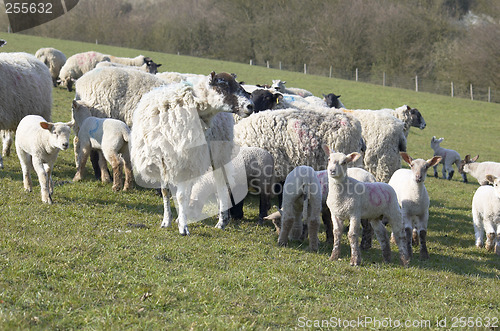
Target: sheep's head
463,166
417,120
265,99
332,100
337,162
278,85
59,133
495,181
151,66
419,166
228,95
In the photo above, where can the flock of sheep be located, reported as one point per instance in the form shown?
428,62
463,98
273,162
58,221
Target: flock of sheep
204,138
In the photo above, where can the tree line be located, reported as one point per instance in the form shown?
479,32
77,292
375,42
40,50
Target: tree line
453,40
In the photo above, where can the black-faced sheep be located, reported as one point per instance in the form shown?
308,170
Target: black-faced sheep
478,170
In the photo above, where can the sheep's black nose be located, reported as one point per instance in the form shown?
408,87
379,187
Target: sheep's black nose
250,108
65,145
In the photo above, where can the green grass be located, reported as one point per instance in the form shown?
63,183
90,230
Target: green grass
82,264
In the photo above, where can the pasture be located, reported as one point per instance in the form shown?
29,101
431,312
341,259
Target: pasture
99,260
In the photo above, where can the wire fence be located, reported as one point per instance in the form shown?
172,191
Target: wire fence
415,83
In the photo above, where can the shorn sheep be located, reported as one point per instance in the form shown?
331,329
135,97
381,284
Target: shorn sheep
168,140
354,200
25,89
478,170
109,135
37,144
414,200
486,214
77,65
54,59
448,158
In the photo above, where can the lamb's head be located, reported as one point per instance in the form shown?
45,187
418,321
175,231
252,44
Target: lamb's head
337,162
332,100
464,164
59,133
435,142
278,85
419,167
226,94
495,181
265,99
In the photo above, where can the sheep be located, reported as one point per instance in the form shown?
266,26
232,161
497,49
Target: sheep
256,167
478,170
140,61
485,214
54,59
144,67
279,86
333,101
169,143
355,200
170,77
2,42
109,135
37,144
414,200
448,158
77,65
25,89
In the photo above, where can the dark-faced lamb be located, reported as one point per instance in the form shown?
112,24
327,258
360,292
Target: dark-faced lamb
478,170
448,158
355,200
169,145
38,143
486,214
414,200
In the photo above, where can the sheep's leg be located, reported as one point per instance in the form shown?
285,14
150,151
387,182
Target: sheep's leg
408,241
444,171
167,211
490,241
223,195
183,194
435,171
76,149
6,142
366,235
297,229
26,166
263,206
383,239
497,244
48,170
337,236
353,235
81,155
313,228
327,222
286,226
450,173
129,175
103,166
117,167
43,179
464,177
478,228
424,254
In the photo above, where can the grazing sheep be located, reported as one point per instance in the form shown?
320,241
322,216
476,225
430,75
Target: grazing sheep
145,63
279,86
478,170
355,200
448,158
25,89
37,144
77,65
54,59
168,140
486,214
109,135
414,200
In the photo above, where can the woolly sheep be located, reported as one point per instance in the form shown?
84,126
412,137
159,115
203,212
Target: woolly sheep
109,135
140,61
144,67
478,170
170,77
485,214
77,65
448,158
414,200
354,200
25,89
411,117
168,140
294,137
54,59
37,144
279,86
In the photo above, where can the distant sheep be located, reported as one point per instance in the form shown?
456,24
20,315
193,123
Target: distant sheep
77,65
478,170
54,59
140,61
448,158
279,86
168,140
109,135
485,214
37,144
2,42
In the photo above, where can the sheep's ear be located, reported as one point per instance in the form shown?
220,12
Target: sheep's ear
407,158
46,125
326,149
467,158
474,159
490,179
353,157
432,162
278,97
71,123
212,78
75,104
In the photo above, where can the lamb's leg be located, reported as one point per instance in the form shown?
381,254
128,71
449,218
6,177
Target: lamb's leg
408,241
478,228
48,170
81,155
127,166
497,244
450,174
105,176
327,222
313,228
435,171
424,254
366,235
286,226
117,167
444,171
43,180
337,236
26,166
223,195
353,235
490,241
464,177
183,194
167,211
264,205
383,239
6,142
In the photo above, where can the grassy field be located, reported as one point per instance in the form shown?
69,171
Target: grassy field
84,263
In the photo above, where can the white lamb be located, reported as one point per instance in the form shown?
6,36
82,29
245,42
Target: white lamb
486,214
37,144
448,158
279,85
414,200
168,140
54,59
109,135
478,170
25,89
355,200
77,65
